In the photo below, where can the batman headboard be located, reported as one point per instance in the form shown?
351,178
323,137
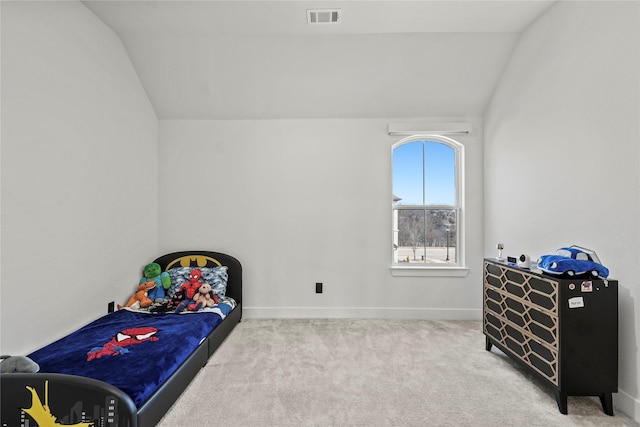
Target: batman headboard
207,259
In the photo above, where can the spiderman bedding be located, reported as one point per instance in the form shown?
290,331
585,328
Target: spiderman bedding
134,351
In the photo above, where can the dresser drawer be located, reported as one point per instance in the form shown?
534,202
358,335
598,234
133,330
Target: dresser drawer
529,318
529,349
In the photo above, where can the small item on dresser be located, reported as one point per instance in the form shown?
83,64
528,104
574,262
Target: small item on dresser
524,261
500,248
573,261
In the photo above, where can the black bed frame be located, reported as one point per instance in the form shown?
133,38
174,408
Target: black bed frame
81,394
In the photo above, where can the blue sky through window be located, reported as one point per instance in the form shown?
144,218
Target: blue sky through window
424,173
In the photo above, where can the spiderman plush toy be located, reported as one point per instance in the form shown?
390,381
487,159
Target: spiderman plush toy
188,290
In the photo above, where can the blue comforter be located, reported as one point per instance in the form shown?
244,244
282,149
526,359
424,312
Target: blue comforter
133,351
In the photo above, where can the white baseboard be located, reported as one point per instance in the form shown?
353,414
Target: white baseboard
361,312
627,404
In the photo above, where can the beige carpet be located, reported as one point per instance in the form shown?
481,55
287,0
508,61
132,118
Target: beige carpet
370,372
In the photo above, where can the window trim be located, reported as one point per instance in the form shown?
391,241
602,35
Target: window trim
456,270
428,271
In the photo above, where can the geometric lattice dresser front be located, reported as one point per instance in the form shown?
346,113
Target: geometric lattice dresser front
559,329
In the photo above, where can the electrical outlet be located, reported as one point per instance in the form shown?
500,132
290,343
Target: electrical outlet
111,307
318,287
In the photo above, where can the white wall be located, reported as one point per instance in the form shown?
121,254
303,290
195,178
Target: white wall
562,152
79,172
306,201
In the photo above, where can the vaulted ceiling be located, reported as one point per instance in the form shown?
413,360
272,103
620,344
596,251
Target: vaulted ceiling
261,60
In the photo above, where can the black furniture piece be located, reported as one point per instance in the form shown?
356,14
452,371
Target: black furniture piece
73,399
563,330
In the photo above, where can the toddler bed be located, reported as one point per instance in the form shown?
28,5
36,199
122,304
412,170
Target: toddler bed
128,367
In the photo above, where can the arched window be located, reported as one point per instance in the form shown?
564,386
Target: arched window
427,202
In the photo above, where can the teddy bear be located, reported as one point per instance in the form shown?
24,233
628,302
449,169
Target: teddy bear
154,272
204,298
140,298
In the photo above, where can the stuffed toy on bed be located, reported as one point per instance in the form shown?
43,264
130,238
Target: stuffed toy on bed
14,364
154,272
204,298
188,290
140,299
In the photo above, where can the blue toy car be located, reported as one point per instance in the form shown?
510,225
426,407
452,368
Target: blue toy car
571,262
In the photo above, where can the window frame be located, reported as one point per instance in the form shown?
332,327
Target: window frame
458,269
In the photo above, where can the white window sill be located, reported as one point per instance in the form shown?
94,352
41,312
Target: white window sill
422,271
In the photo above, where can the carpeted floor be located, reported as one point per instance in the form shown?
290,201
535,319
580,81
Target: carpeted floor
370,372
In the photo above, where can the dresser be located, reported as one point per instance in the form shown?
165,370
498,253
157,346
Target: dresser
564,331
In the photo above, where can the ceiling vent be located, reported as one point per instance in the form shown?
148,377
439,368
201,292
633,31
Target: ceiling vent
323,16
